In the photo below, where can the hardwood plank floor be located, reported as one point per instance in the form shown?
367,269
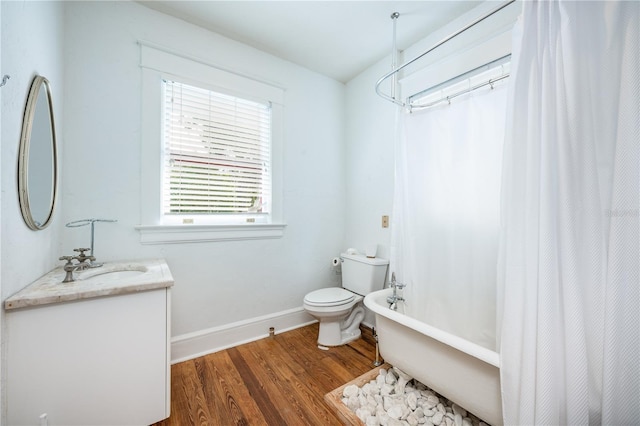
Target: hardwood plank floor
277,381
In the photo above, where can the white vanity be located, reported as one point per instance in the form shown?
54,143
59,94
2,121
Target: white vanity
93,351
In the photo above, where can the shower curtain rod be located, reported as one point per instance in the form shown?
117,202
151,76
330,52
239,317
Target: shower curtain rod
500,62
395,71
460,93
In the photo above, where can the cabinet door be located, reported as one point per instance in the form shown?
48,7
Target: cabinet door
99,361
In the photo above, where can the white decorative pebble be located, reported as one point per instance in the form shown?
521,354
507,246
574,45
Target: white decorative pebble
400,385
350,391
395,412
384,419
353,403
467,422
437,418
412,419
427,393
362,400
459,410
390,379
380,380
433,400
386,389
366,389
457,419
441,409
412,401
362,414
372,421
388,402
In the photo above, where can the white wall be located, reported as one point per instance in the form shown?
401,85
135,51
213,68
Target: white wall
32,36
215,283
369,156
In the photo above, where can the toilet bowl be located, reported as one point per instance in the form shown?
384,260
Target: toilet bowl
339,312
339,309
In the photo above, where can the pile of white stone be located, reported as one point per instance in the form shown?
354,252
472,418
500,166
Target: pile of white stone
395,399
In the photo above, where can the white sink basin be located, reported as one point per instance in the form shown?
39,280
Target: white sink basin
114,275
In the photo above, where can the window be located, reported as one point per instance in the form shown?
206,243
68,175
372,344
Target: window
211,152
217,152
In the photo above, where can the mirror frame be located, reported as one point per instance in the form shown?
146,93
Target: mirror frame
38,83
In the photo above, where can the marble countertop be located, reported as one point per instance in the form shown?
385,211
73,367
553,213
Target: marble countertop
113,278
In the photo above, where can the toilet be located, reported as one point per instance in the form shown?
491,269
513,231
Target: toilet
339,309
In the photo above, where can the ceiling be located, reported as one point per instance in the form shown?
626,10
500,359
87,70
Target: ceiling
339,39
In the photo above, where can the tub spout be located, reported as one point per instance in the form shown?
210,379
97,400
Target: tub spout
395,298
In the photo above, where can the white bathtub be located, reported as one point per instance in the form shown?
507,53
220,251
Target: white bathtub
461,371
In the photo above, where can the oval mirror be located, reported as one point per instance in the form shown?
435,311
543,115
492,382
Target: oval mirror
37,160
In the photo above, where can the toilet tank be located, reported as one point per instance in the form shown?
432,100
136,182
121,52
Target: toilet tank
361,274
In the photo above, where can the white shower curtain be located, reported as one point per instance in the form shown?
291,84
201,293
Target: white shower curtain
446,206
568,264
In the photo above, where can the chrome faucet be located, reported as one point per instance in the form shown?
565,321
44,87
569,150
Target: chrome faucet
395,298
82,264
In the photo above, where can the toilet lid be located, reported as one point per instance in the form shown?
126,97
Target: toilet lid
329,297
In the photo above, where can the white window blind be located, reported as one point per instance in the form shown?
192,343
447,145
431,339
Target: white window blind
216,153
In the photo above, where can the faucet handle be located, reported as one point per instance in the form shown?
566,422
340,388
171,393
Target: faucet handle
67,258
82,257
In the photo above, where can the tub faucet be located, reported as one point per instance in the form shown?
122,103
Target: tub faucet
394,298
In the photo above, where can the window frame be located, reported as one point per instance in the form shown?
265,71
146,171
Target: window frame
156,228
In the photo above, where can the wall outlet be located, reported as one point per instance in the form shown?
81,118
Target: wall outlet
385,221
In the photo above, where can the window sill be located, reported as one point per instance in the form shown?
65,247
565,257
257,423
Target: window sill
176,234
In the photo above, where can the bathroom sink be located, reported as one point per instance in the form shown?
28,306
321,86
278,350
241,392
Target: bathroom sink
110,279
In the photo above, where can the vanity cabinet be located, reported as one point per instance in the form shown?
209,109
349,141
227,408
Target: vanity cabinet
93,361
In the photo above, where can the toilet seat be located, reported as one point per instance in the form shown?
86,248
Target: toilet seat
332,296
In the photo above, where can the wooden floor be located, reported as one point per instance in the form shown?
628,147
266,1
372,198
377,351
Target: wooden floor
279,380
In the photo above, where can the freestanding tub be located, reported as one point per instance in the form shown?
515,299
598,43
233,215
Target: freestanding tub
459,370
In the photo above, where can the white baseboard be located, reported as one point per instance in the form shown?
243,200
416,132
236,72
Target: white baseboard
192,345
